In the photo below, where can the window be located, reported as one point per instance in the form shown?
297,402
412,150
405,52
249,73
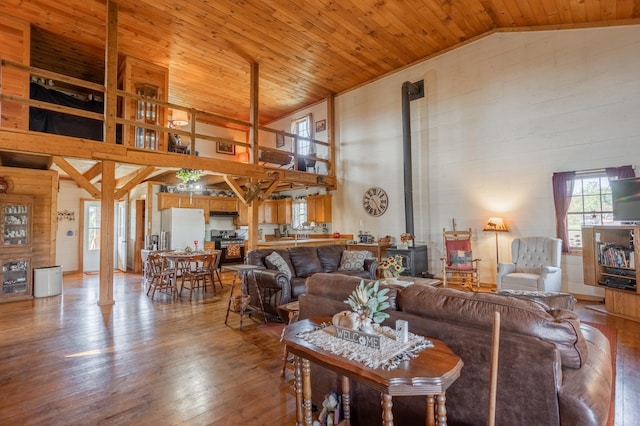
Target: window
302,127
93,228
299,211
584,198
591,204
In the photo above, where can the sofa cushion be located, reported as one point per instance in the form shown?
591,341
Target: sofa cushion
277,262
305,261
352,260
560,327
330,257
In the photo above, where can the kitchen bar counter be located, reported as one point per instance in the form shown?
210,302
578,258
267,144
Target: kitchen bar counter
304,242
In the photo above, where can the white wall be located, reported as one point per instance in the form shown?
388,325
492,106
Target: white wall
67,242
499,117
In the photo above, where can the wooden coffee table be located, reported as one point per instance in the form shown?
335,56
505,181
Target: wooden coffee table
430,374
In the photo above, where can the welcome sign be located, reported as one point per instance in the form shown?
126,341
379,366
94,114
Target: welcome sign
356,336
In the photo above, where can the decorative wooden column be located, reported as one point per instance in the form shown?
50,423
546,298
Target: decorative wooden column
108,166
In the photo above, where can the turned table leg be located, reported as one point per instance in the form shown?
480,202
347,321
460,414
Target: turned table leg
387,413
346,400
306,391
297,376
441,411
431,414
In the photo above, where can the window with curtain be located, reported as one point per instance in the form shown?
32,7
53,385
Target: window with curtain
583,198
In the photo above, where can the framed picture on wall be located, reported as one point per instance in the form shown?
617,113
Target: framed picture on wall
321,126
279,140
226,148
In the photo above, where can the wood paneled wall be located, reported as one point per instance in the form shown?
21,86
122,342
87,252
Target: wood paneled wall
43,184
16,43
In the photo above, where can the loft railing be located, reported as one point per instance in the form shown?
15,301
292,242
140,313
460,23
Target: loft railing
277,149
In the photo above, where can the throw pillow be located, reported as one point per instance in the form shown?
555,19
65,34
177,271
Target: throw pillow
352,260
461,259
275,261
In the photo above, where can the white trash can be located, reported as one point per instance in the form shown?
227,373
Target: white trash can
47,281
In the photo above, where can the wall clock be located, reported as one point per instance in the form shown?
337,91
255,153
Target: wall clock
375,201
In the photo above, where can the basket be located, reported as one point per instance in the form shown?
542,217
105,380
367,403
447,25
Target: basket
239,303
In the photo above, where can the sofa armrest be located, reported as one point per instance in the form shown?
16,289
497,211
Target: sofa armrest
371,265
275,288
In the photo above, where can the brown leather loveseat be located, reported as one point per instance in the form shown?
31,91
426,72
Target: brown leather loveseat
553,369
302,262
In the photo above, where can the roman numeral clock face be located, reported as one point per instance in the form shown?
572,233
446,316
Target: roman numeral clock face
375,201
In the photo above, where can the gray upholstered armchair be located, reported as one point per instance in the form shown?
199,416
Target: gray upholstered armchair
536,265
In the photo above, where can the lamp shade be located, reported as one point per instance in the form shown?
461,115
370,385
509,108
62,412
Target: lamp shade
179,117
496,224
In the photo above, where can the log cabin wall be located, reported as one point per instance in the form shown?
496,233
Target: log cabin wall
16,43
43,185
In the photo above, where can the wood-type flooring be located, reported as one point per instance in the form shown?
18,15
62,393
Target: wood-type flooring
64,360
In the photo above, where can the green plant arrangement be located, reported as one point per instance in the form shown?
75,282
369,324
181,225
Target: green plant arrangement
188,175
369,302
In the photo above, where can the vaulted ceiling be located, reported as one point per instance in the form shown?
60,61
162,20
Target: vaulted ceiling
306,50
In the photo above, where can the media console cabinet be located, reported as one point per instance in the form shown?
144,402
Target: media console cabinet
610,259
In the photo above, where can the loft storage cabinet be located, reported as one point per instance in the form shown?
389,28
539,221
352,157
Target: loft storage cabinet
147,82
146,112
16,238
610,261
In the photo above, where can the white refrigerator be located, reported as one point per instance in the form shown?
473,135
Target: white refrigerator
181,227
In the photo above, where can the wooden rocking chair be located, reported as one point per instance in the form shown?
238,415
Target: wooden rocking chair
458,265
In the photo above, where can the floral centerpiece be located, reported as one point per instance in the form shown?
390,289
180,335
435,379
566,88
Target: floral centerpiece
392,266
368,304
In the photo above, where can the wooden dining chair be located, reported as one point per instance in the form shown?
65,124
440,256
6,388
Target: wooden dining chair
215,268
162,276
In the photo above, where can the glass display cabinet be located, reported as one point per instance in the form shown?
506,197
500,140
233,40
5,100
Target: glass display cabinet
16,240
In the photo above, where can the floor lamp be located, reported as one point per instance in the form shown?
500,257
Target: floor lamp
496,224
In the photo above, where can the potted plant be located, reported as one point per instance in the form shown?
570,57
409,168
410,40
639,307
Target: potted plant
188,175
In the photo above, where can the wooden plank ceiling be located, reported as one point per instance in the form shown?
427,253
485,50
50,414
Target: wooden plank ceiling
306,49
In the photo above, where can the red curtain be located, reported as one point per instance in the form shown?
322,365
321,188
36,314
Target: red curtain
562,190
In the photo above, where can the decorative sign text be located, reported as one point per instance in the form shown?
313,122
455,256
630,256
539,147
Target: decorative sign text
356,336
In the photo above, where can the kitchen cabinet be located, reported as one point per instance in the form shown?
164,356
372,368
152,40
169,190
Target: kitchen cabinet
16,212
243,215
319,208
168,200
285,208
223,204
202,203
268,212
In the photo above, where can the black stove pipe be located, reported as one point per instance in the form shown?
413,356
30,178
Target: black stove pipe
410,91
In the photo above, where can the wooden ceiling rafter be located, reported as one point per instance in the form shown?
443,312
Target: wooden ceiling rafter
77,177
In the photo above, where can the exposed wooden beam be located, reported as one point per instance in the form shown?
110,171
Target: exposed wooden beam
236,188
93,172
138,177
77,177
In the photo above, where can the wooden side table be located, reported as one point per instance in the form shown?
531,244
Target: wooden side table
242,278
429,374
290,311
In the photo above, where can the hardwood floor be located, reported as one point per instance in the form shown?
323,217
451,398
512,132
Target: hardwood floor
66,361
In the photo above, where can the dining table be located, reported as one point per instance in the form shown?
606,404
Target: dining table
182,260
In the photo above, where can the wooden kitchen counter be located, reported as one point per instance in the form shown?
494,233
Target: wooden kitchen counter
305,242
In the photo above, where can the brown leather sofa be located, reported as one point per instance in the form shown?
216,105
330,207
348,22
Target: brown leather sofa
304,261
553,370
